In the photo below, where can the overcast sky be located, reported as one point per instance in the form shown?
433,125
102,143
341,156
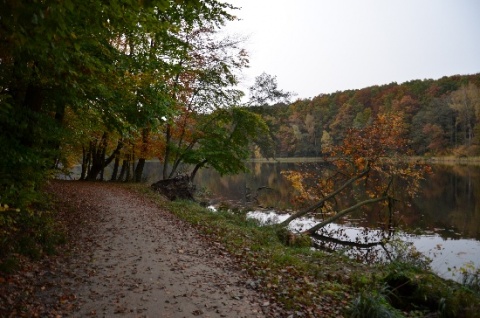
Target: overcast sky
320,46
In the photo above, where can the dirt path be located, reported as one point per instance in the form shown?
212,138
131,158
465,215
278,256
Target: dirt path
136,260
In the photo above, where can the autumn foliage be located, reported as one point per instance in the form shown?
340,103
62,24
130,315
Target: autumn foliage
441,116
369,167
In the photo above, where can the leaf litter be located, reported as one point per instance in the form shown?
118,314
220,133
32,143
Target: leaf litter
125,256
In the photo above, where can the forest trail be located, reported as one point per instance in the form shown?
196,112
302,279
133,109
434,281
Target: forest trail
134,259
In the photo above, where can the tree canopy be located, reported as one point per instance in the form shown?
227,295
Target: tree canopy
441,116
98,78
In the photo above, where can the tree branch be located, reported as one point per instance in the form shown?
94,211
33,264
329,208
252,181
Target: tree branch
328,197
342,213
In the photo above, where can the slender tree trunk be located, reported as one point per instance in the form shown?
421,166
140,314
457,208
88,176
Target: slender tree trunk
84,163
115,168
99,161
32,102
144,152
133,165
139,169
102,171
127,169
197,167
59,116
167,152
123,170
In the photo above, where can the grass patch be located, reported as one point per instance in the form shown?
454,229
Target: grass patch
322,284
373,304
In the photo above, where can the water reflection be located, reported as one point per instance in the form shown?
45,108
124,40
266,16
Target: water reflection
443,222
448,204
444,256
449,201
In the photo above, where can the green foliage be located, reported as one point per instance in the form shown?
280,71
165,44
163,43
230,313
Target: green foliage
414,289
28,232
225,140
373,305
471,277
98,63
404,256
265,91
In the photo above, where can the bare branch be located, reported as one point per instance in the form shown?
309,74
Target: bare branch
343,213
328,197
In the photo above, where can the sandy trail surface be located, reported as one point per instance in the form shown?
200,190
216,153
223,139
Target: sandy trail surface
137,260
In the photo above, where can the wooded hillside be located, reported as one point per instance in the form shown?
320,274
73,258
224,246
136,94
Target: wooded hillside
442,116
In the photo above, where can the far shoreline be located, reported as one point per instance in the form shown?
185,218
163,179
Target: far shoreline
445,160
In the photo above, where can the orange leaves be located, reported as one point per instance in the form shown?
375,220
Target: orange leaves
370,164
382,138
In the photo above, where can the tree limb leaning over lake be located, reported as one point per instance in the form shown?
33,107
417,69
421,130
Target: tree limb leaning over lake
383,197
344,212
328,197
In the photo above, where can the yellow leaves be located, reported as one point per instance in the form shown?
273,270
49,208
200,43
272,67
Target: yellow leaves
297,180
5,207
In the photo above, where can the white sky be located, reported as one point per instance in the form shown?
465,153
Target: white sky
320,46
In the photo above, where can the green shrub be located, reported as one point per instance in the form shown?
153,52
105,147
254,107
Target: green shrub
471,277
372,305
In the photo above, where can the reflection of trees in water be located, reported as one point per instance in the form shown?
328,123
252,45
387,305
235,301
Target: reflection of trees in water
450,201
370,246
364,248
448,204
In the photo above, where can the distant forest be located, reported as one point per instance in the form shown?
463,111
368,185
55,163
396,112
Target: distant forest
442,117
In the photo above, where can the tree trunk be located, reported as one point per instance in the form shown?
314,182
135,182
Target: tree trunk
115,168
127,169
139,170
102,171
197,167
143,155
167,152
124,169
84,163
99,162
328,197
32,102
59,116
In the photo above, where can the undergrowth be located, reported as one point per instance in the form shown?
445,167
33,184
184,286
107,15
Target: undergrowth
28,232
